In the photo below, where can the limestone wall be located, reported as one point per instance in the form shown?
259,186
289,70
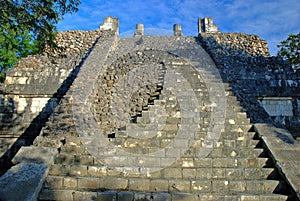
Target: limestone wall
244,62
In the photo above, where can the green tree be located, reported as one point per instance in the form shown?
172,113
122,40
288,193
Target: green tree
290,50
26,26
14,44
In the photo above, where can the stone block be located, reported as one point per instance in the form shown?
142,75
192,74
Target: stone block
78,170
250,198
218,173
189,197
59,170
230,198
204,173
237,187
159,185
106,196
221,186
142,196
125,196
270,186
216,153
139,184
97,171
166,162
254,186
113,172
70,183
189,173
172,152
223,162
91,196
234,173
250,162
24,180
273,197
172,173
63,158
203,162
179,186
200,186
53,182
186,162
252,173
145,161
161,197
83,159
34,154
113,183
88,183
56,195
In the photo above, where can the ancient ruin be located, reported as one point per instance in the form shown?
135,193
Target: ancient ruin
207,117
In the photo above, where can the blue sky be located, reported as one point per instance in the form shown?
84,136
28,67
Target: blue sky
272,20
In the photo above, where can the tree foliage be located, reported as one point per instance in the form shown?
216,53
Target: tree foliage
26,26
290,50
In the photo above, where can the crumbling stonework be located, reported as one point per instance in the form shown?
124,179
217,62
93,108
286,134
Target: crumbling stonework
235,44
245,63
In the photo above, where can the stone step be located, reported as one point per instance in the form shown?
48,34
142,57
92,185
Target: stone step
217,173
232,118
237,143
218,167
236,134
235,152
239,133
159,126
173,185
238,116
71,195
64,158
67,156
87,166
223,197
72,146
73,149
172,125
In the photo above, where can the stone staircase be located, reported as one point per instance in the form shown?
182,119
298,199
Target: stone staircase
234,170
171,150
32,90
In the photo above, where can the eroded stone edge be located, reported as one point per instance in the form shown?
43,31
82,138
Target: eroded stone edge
285,165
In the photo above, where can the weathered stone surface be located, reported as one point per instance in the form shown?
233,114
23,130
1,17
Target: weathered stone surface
57,195
32,154
23,182
285,152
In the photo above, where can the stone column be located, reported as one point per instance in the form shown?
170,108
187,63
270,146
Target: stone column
206,25
139,31
110,23
200,27
177,30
